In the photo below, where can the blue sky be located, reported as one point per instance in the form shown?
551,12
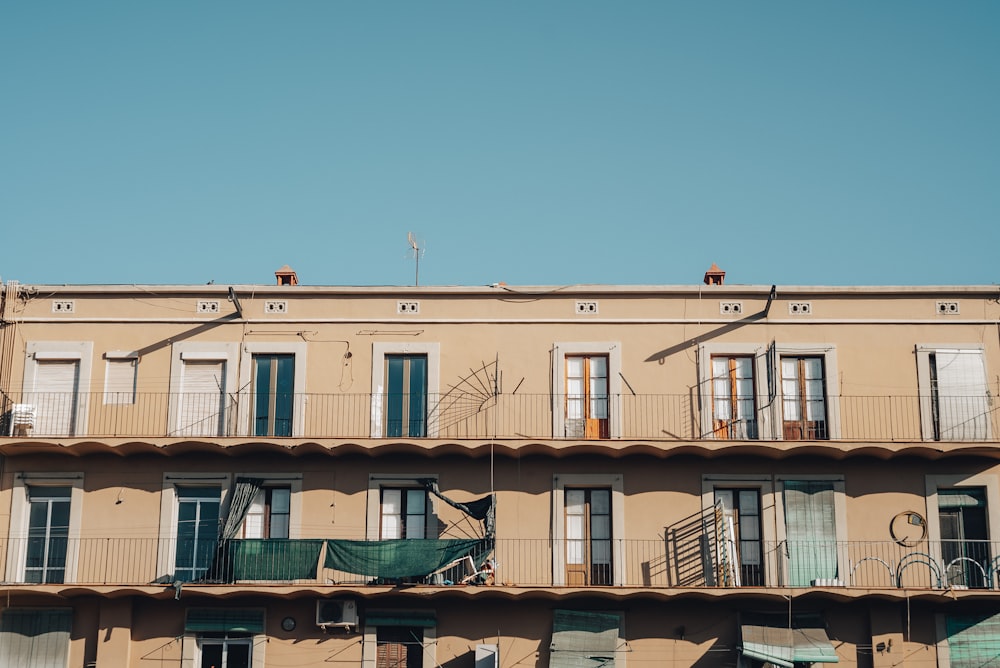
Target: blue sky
532,142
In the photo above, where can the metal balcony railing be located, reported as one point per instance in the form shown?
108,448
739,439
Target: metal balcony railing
533,563
504,416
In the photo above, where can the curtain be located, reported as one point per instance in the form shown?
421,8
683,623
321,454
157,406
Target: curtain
810,531
243,493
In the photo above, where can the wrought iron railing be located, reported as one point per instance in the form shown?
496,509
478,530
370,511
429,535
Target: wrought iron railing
505,416
534,563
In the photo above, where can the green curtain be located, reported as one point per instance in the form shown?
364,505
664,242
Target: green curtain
583,639
973,640
35,638
400,558
810,531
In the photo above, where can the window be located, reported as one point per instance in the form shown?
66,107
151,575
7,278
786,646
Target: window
223,638
739,523
274,377
955,403
588,522
734,409
38,638
55,382
586,390
730,391
119,378
197,531
406,395
201,377
586,396
48,534
399,647
803,398
588,537
960,524
269,513
965,547
403,513
405,381
584,638
274,393
399,639
742,528
45,516
813,512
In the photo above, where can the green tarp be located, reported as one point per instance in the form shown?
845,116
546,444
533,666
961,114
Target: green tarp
973,640
400,558
273,559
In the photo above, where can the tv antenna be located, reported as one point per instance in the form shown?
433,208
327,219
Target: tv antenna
417,252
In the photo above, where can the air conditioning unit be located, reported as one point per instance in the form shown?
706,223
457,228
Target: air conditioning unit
341,614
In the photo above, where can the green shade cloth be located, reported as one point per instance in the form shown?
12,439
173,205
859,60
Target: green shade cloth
973,640
273,559
583,639
400,558
422,619
784,647
224,620
810,531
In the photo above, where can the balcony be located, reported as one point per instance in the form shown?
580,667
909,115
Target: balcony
505,416
652,564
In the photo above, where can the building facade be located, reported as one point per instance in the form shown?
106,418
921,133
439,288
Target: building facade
294,475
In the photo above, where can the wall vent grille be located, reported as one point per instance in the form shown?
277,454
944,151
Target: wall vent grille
275,307
730,308
586,308
800,308
408,308
947,308
64,306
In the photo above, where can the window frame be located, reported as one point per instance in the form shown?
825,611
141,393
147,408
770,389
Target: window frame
765,488
924,390
81,352
563,349
247,405
293,481
369,641
17,546
118,397
612,481
166,558
840,519
758,353
379,352
198,351
933,483
828,353
378,481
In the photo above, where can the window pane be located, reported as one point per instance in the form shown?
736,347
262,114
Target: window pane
280,500
392,501
415,501
415,526
575,527
598,367
600,500
744,367
575,499
391,527
724,496
600,527
574,367
601,551
574,551
279,526
748,501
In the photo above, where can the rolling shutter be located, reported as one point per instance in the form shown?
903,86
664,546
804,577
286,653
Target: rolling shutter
203,388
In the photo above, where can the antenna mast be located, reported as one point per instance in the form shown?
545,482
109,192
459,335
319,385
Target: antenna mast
416,256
